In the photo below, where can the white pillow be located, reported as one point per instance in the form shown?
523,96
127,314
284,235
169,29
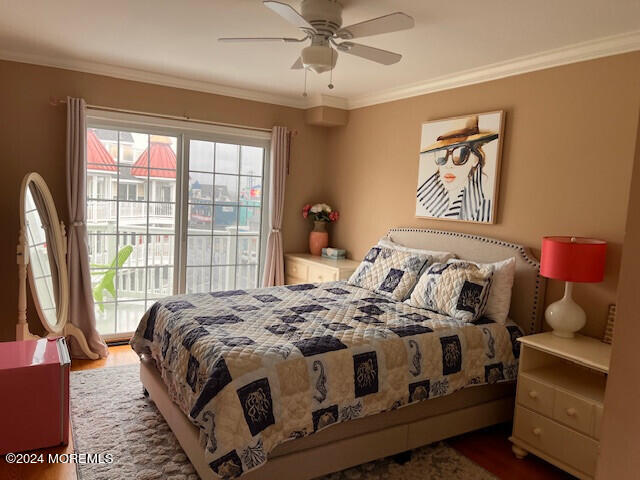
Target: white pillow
438,257
499,300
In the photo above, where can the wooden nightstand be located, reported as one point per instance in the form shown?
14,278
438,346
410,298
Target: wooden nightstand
560,399
306,268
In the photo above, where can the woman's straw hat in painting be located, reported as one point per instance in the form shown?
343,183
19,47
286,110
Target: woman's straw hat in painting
468,133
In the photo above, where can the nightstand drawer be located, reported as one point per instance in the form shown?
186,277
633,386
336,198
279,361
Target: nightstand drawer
288,280
597,421
535,395
319,275
568,446
574,412
296,269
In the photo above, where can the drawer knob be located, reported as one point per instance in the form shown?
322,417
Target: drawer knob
533,394
537,431
571,412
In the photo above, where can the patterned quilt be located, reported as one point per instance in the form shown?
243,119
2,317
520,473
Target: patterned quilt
255,368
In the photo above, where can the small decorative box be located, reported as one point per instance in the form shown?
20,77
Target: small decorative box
336,253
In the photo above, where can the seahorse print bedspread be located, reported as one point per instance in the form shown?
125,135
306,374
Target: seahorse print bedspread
255,368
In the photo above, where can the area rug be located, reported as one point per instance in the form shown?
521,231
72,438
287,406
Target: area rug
110,415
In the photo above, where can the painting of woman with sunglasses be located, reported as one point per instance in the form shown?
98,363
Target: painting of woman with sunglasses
458,172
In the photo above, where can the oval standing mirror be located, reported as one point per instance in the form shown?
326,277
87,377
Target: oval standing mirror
42,257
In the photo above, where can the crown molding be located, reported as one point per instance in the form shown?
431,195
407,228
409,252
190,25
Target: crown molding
579,52
321,100
144,76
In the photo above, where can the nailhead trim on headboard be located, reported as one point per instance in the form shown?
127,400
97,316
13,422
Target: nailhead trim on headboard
535,324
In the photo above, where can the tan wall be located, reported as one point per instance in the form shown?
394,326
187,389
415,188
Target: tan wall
567,157
32,138
619,457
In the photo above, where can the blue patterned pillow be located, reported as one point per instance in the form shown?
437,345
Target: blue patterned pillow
389,272
457,289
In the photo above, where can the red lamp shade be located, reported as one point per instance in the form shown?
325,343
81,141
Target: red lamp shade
573,259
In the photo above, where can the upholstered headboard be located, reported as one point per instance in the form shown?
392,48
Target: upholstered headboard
527,298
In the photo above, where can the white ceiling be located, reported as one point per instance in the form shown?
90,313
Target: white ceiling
176,40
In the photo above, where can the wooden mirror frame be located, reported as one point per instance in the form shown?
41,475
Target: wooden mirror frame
58,237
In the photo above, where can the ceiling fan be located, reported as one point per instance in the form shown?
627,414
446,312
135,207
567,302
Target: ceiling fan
321,23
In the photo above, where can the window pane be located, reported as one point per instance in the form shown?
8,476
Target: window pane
247,276
248,249
106,318
99,182
102,145
201,155
128,281
102,250
199,221
132,248
160,249
223,278
101,216
225,218
199,250
251,163
249,220
200,187
224,250
129,314
226,188
198,279
227,158
159,282
132,187
250,191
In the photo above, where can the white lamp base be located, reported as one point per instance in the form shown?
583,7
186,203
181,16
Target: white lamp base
565,316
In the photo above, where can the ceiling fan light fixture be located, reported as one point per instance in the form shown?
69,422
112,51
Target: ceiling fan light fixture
319,58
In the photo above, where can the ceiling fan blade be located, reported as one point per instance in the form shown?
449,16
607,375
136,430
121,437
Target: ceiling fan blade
370,53
257,39
388,23
289,13
298,64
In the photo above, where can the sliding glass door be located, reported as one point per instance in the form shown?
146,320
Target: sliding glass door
168,213
223,216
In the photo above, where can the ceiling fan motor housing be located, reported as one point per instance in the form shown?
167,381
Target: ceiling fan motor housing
324,15
319,58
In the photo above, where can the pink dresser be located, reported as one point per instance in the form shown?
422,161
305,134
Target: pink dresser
34,394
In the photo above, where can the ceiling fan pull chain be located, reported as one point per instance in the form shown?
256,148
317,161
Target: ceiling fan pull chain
304,93
331,71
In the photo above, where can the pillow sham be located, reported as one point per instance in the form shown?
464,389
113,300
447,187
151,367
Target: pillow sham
457,289
439,257
389,272
499,300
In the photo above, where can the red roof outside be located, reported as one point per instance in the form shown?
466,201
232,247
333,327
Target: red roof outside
97,156
161,161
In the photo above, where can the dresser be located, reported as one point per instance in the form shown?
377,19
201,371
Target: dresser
307,268
560,399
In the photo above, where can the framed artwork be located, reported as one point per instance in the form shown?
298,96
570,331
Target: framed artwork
459,168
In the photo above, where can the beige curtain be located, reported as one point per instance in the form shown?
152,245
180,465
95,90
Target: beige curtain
81,309
274,262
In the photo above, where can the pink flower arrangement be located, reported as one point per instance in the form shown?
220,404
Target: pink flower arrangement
320,212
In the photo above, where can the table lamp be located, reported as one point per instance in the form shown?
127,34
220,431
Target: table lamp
572,259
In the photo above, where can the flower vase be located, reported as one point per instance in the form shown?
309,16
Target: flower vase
318,238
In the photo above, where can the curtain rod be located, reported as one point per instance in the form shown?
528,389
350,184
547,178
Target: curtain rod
60,101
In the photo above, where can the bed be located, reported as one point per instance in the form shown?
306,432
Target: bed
259,382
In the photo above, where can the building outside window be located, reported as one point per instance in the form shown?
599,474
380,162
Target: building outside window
144,195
